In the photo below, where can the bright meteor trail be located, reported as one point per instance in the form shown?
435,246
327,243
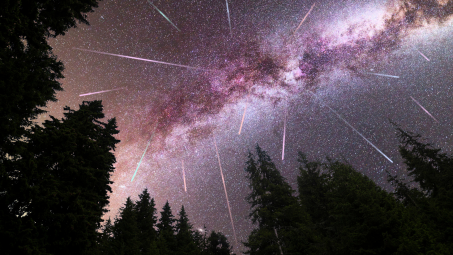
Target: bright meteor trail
226,194
228,11
423,55
98,92
149,141
306,15
424,109
347,123
164,15
284,134
141,59
243,117
385,75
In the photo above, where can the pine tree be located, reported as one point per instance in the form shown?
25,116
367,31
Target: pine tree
217,244
350,213
126,231
431,169
64,175
30,78
146,221
430,200
200,240
29,70
184,235
106,241
166,237
274,209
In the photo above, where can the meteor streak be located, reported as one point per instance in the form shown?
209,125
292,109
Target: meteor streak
243,117
149,141
306,15
347,123
228,11
226,194
98,92
424,109
163,15
385,75
184,176
284,133
423,55
142,59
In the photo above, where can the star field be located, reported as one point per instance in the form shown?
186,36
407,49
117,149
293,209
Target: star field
260,64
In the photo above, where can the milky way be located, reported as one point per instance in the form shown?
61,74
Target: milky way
365,60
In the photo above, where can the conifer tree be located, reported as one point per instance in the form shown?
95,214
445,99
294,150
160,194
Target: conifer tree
217,244
29,70
350,213
126,231
166,236
274,209
146,221
430,200
106,240
64,176
184,235
30,76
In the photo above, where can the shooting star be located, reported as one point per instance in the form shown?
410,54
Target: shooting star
423,55
184,176
226,194
228,12
347,123
243,117
424,109
98,92
284,133
385,75
306,15
149,142
155,7
143,59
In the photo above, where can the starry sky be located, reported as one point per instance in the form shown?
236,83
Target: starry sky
328,86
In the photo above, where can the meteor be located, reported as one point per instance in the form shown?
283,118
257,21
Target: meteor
243,117
284,133
142,59
347,123
184,176
423,55
149,141
306,15
163,15
226,194
424,109
228,11
98,92
385,75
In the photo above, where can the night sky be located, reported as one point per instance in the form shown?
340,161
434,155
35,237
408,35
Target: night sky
350,68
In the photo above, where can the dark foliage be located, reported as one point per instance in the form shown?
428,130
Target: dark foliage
341,211
134,234
61,182
30,76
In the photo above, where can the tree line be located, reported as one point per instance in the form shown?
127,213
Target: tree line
340,211
136,230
